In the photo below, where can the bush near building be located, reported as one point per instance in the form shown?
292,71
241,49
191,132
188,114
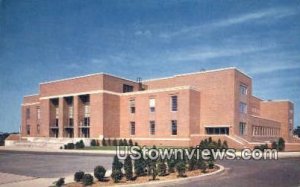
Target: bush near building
128,168
93,142
116,174
162,167
79,145
60,182
281,144
181,168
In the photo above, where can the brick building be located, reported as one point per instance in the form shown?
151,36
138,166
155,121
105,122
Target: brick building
179,110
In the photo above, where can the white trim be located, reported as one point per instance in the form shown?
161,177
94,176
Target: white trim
278,100
71,78
79,93
160,90
199,72
217,126
31,95
28,104
162,139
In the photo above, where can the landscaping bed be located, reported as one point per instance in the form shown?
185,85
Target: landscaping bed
145,179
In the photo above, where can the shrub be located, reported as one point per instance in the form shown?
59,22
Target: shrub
281,144
211,164
79,145
225,145
153,170
209,140
109,142
60,182
203,166
261,147
192,163
93,142
128,168
104,142
219,144
99,172
70,146
87,179
116,175
139,166
162,167
116,165
181,168
171,164
78,176
125,143
121,142
130,142
136,144
114,143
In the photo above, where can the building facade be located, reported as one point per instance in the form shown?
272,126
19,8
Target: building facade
176,111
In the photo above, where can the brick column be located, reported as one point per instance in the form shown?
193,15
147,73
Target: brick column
45,117
61,120
76,105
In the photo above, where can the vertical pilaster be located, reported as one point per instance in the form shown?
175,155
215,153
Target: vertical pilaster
76,105
61,116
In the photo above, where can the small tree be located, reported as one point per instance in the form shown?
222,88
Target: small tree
203,166
114,143
93,142
219,145
281,144
78,176
104,142
136,144
116,174
99,172
192,163
209,140
171,164
153,170
87,179
130,142
128,168
162,167
211,164
60,182
139,165
79,145
181,168
225,145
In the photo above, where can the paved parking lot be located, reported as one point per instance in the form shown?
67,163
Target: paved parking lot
283,172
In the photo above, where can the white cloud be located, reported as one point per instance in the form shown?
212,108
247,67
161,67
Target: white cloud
267,14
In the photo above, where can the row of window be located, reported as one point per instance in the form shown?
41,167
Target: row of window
152,127
265,131
174,104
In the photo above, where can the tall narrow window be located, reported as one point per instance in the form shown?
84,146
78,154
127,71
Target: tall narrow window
38,113
152,105
38,129
71,113
243,89
132,106
87,110
174,103
27,113
56,112
132,128
243,107
242,128
174,127
28,129
152,127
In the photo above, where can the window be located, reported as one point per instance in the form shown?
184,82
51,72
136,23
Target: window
38,113
71,122
243,89
127,88
38,129
132,106
152,105
174,103
152,127
86,121
132,128
27,113
242,128
174,127
28,129
86,110
56,122
71,112
56,112
243,107
217,130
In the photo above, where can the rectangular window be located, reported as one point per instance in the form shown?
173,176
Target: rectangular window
132,106
56,112
152,127
56,122
243,89
38,129
86,110
243,107
174,127
217,130
152,105
28,129
38,113
132,128
86,121
127,88
174,103
242,128
71,112
27,113
71,122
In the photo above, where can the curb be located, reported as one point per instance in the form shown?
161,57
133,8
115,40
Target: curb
173,181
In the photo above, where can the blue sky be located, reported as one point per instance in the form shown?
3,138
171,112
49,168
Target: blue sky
54,39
